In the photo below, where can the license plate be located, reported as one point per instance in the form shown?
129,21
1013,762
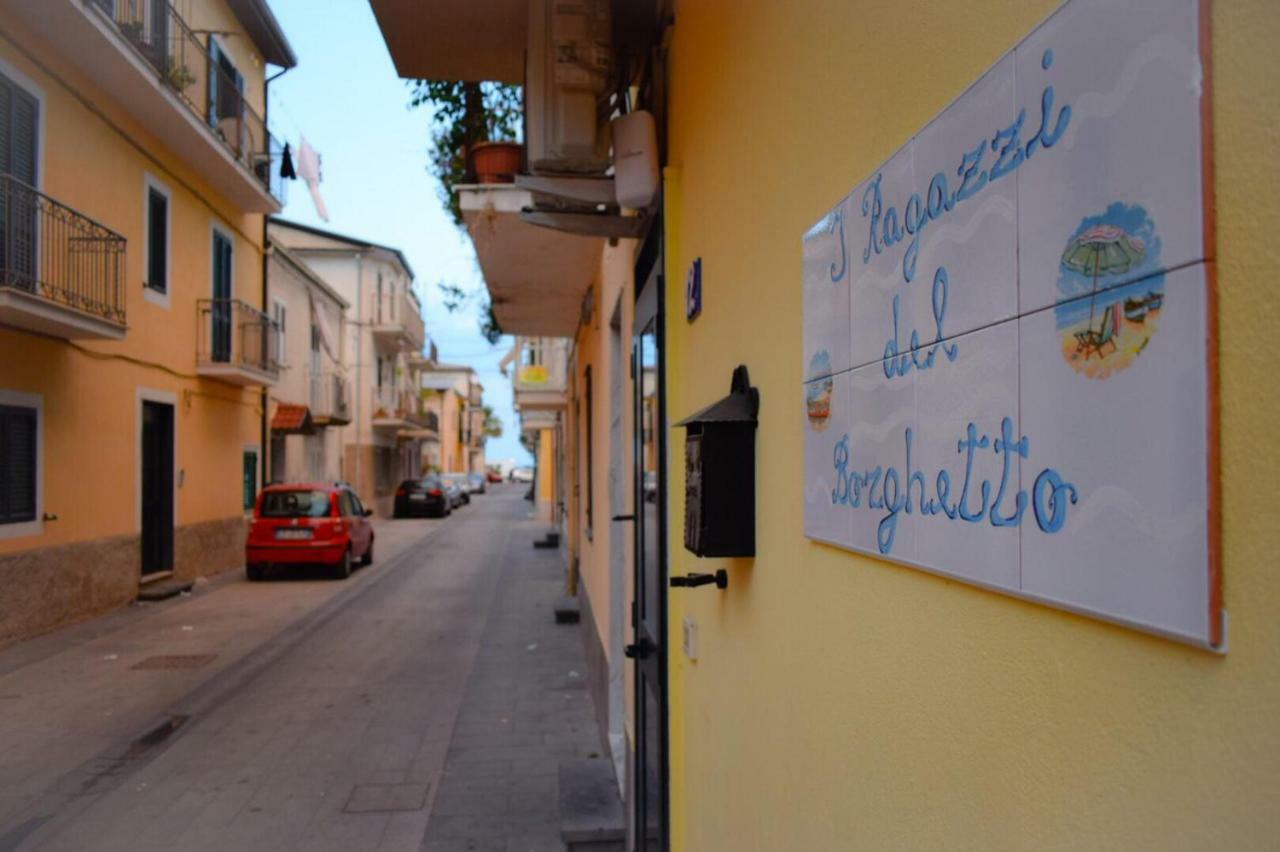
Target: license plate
293,534
418,498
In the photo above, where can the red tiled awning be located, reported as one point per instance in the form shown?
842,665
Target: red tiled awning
291,418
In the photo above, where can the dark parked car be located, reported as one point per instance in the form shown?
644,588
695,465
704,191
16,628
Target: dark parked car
458,482
425,496
308,523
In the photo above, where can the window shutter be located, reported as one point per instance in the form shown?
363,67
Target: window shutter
24,112
6,110
157,239
17,464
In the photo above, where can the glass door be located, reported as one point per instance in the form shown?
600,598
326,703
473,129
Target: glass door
649,615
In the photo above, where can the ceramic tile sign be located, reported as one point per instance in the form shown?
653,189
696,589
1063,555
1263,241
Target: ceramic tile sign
1008,325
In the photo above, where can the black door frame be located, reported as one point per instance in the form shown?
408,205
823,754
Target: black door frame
157,502
649,652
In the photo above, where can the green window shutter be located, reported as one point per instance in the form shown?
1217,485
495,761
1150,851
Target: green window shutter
18,461
157,241
250,479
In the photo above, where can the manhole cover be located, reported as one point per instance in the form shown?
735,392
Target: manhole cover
382,798
176,661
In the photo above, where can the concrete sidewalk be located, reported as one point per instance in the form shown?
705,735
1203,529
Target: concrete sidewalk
526,708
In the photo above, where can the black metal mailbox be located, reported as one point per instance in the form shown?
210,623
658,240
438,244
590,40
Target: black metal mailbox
720,473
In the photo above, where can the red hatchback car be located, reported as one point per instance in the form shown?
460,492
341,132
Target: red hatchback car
308,523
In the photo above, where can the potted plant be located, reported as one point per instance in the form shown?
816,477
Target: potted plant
496,162
179,75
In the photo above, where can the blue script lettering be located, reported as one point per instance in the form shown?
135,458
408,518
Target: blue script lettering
897,364
885,229
1050,497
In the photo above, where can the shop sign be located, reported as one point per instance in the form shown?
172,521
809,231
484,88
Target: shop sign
532,374
1008,329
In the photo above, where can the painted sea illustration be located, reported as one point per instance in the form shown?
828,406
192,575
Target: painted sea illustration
817,395
1111,291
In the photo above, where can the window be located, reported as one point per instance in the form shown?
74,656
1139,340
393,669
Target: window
226,86
250,477
279,315
19,147
157,239
19,449
295,504
19,119
315,350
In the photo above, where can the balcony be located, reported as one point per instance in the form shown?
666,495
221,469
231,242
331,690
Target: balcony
143,55
536,276
61,273
541,379
397,322
391,407
235,343
330,400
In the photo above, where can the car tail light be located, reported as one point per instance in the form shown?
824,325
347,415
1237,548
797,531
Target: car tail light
435,492
400,492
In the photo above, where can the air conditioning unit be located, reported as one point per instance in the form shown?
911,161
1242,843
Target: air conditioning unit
569,59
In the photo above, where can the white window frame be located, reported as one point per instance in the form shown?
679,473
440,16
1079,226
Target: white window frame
36,92
21,399
163,300
166,398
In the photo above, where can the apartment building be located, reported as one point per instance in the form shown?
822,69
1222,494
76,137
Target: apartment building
311,399
453,398
540,386
135,352
383,346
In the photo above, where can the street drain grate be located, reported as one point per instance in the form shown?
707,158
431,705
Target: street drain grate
384,798
175,661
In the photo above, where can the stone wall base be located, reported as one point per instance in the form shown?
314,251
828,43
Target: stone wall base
48,587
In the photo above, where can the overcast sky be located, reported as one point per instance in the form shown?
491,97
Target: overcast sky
345,98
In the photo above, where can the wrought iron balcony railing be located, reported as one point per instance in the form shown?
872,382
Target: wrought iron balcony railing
188,68
390,403
59,255
232,333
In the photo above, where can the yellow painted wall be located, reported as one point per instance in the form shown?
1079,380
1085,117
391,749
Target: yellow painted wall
842,702
96,163
592,348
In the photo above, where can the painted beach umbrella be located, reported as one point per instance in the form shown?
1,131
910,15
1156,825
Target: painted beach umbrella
1103,250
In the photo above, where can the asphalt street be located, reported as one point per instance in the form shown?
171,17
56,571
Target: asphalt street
423,704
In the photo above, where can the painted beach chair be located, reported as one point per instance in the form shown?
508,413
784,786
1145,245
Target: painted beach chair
1092,341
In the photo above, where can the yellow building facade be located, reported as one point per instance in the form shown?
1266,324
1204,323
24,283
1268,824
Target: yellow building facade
131,321
839,701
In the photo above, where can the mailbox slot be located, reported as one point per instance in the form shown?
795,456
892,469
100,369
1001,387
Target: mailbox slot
720,473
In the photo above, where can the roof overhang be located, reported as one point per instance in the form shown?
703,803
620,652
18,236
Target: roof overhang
537,277
265,31
476,40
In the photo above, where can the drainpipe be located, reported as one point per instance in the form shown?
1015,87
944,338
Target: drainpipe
359,365
264,447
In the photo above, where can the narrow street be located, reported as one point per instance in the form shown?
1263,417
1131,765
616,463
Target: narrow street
424,703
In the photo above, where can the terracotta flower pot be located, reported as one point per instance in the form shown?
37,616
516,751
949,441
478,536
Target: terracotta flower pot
496,162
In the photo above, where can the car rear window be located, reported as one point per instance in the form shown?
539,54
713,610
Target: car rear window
295,504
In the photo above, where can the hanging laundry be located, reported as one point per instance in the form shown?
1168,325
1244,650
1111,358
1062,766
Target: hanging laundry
309,171
286,164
